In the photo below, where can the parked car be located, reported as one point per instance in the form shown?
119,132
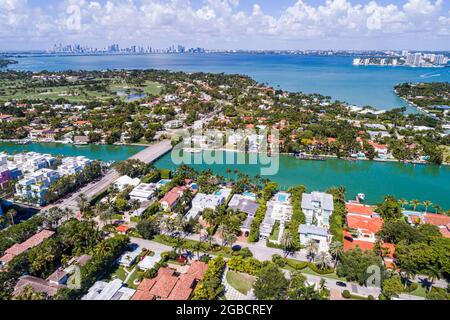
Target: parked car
341,284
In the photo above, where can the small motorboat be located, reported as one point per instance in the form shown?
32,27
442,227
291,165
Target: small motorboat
361,197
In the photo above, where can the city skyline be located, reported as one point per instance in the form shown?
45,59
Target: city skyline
228,24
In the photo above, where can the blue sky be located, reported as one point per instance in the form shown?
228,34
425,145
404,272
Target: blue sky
228,24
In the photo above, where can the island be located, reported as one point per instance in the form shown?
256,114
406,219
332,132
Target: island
141,106
5,62
432,98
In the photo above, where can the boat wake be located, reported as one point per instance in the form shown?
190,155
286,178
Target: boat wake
430,75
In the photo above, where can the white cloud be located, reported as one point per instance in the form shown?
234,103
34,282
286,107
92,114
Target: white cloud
219,21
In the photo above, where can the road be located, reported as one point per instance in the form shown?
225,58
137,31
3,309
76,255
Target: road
148,155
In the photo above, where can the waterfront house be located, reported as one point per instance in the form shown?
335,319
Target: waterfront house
171,198
5,176
317,207
279,207
439,220
207,201
143,192
245,203
81,140
124,181
317,234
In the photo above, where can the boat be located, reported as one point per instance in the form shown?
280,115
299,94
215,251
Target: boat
192,150
302,156
361,197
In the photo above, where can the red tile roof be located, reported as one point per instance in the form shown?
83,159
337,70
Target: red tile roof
445,231
353,244
367,225
122,228
31,242
167,286
183,288
164,286
437,219
197,269
390,249
358,209
142,295
173,195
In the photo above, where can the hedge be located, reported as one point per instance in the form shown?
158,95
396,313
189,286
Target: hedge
298,217
259,217
247,265
314,268
101,262
297,265
210,288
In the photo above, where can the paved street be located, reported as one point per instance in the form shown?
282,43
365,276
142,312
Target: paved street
147,155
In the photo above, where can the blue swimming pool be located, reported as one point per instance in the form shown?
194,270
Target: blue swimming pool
282,197
249,194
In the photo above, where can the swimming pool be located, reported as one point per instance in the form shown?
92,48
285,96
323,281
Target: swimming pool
412,213
282,197
249,194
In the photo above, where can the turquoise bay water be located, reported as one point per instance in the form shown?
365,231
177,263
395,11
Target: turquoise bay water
94,152
375,179
333,76
329,75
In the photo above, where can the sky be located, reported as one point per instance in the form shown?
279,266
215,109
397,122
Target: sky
227,24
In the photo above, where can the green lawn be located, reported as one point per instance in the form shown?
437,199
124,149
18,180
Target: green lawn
333,275
242,282
133,277
421,291
75,93
119,273
275,231
117,216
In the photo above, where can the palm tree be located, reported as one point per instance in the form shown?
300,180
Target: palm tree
82,203
135,204
322,260
336,250
311,248
433,273
228,171
288,243
11,214
231,239
403,202
437,208
2,220
414,203
427,204
222,230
